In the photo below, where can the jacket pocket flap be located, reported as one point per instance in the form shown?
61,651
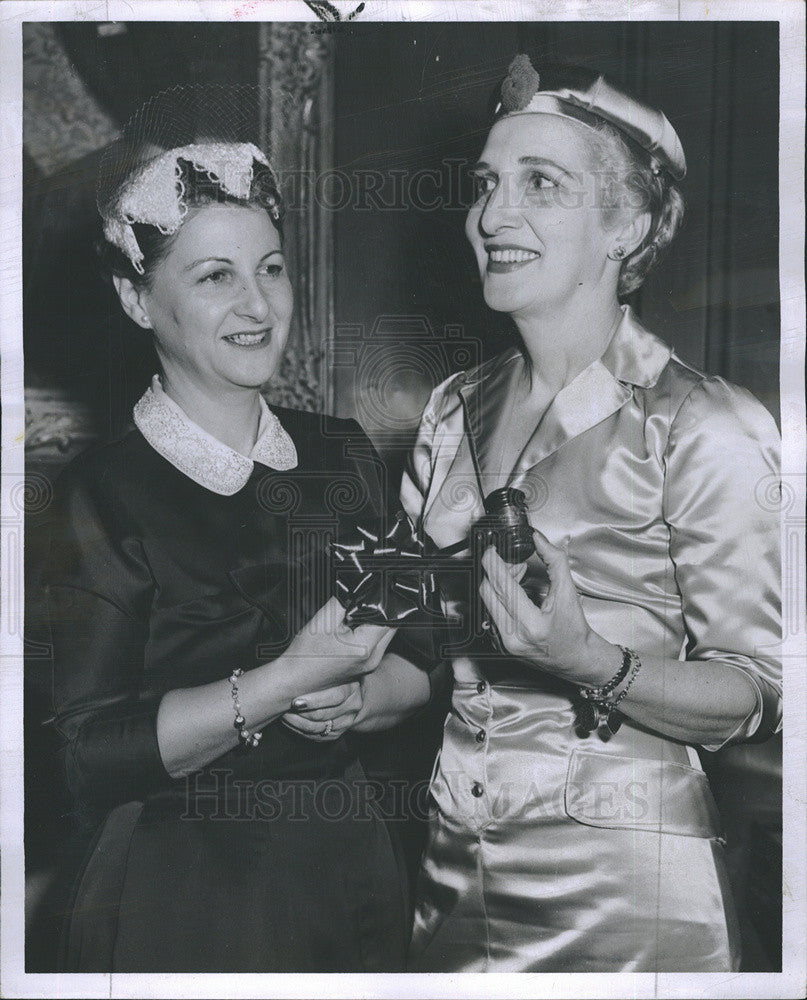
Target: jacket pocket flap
614,792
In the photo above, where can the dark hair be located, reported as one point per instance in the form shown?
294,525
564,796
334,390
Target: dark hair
627,177
198,190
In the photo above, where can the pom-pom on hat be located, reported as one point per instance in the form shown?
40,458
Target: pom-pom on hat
587,97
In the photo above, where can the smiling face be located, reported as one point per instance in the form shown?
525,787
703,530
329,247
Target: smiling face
536,227
220,302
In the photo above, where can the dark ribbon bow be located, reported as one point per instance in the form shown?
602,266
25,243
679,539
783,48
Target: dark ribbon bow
385,580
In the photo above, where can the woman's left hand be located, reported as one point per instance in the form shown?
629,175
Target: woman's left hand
326,715
555,637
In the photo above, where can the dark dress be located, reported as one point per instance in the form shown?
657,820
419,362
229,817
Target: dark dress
272,860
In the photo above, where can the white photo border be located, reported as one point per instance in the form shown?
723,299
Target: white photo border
792,981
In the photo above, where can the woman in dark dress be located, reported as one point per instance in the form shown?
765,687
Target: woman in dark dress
187,558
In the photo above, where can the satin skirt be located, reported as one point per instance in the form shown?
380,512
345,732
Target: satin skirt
548,853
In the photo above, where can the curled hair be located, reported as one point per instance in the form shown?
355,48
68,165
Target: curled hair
628,181
198,190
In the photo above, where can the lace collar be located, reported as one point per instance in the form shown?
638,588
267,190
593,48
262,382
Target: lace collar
200,456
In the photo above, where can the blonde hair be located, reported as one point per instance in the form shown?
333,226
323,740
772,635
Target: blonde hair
628,179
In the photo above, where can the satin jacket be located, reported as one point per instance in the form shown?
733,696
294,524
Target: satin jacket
657,480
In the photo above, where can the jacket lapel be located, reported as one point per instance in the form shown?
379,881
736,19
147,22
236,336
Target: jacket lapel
485,403
473,408
472,404
588,399
634,357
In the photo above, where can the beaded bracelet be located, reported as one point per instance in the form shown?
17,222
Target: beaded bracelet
597,705
247,739
601,693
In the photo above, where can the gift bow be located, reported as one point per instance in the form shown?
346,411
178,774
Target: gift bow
383,580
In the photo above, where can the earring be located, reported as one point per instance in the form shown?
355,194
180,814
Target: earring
145,321
617,253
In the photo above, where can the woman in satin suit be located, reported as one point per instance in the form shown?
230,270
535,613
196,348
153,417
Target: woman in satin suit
573,828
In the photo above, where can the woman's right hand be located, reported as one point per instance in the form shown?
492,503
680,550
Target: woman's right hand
326,715
326,652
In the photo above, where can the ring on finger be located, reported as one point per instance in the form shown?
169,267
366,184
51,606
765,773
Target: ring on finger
328,728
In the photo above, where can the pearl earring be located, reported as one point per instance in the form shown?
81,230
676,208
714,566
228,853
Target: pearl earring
617,253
